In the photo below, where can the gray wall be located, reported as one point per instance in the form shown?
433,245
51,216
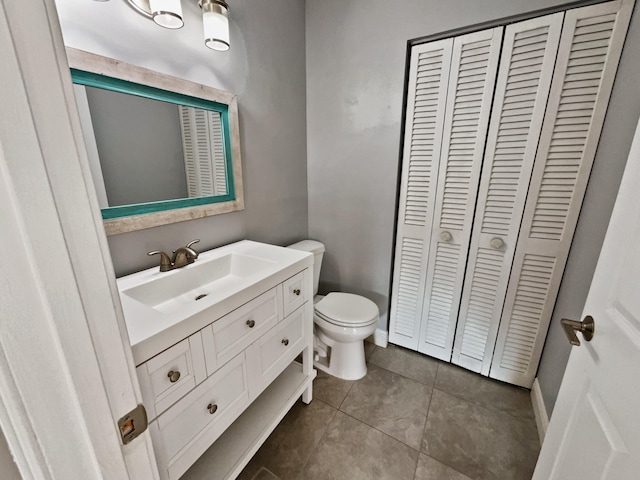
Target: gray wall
139,141
355,74
8,468
265,68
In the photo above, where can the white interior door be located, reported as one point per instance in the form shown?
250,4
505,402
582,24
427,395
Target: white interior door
526,67
66,368
590,48
593,432
426,98
474,67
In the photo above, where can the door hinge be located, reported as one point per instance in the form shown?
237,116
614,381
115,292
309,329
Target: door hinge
133,424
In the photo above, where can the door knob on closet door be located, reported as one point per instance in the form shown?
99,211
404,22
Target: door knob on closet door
446,236
496,242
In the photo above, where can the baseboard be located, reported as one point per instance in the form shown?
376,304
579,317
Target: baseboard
539,410
379,338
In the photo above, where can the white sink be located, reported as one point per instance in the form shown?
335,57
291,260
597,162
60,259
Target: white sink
162,308
183,287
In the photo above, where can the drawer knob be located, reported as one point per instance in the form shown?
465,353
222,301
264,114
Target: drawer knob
173,376
296,291
251,323
285,341
212,407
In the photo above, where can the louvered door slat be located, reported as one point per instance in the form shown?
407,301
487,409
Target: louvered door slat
558,183
188,149
526,69
217,148
426,97
203,151
471,82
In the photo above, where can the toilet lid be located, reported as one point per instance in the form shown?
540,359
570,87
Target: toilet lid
347,309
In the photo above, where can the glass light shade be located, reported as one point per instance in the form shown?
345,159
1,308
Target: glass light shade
216,26
167,13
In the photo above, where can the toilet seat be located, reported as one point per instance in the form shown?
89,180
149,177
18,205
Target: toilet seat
347,310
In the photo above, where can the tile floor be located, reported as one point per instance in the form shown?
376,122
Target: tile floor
411,417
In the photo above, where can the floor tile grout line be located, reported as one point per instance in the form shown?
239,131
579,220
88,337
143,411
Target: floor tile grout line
377,429
402,375
324,432
478,404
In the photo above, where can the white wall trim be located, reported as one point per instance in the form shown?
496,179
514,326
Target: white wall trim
380,338
539,410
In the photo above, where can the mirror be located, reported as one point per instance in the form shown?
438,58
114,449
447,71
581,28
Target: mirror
161,149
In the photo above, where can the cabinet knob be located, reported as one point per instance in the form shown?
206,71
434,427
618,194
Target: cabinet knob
285,341
446,236
251,323
212,407
296,291
496,242
173,376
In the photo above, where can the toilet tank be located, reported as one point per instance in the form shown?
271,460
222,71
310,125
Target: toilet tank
317,249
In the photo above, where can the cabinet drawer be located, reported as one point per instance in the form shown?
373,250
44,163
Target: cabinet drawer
228,336
277,349
295,293
186,430
170,375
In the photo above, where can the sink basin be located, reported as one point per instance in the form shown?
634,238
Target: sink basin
162,308
180,288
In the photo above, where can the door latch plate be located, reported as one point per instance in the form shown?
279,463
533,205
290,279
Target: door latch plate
133,424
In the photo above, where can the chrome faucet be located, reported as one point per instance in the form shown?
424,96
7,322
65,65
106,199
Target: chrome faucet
181,257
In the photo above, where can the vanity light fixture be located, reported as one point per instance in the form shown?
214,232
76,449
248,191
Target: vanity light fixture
168,14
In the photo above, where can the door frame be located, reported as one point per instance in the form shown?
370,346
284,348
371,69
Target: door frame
66,368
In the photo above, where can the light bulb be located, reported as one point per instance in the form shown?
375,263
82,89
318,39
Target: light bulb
167,13
215,23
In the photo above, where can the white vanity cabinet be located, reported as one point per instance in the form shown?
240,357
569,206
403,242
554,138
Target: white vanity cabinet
224,387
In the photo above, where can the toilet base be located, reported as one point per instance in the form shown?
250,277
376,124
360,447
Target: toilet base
343,360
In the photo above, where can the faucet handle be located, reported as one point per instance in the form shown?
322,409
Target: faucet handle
165,261
191,253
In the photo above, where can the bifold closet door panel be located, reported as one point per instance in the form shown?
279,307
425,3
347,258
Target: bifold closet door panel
426,99
474,66
590,48
526,69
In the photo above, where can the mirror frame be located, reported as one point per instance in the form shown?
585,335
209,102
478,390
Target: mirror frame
171,211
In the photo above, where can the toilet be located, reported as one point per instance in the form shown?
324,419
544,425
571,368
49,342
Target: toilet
341,323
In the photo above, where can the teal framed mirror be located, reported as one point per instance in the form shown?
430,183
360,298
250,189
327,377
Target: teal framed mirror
161,149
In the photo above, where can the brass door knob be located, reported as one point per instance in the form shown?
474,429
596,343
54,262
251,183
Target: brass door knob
212,407
285,341
296,291
586,326
251,323
173,376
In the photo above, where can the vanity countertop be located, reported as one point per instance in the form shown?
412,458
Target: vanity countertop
224,278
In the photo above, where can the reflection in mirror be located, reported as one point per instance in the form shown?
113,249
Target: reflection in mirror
161,149
150,150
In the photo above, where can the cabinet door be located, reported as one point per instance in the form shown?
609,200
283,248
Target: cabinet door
590,49
474,66
426,97
526,68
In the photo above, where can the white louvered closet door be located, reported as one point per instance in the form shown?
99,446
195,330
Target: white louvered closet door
474,67
526,69
590,49
426,97
203,151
